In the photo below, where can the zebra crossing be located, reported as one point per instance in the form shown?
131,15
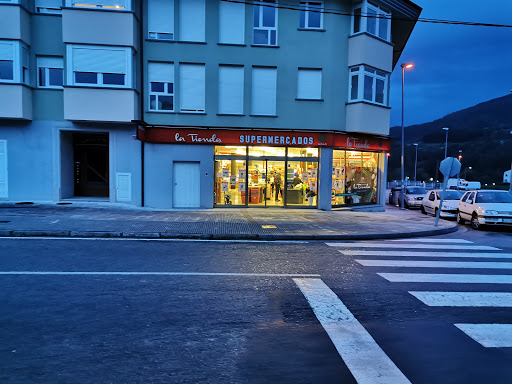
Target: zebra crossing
377,254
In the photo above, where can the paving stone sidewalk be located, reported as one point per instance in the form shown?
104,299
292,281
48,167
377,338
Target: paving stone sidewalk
109,220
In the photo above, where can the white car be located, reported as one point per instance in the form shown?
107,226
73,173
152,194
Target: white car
430,203
485,207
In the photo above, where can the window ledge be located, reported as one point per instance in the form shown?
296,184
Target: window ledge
166,112
264,46
374,36
49,88
233,44
160,40
106,88
311,29
6,82
230,114
99,9
263,116
191,42
46,14
191,113
301,99
367,102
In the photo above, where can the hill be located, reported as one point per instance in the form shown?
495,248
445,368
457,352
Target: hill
483,133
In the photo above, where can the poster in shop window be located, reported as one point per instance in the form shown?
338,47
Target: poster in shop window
305,176
337,185
232,180
312,186
225,186
334,170
241,186
314,173
338,173
225,172
241,174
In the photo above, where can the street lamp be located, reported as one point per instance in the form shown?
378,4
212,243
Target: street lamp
415,161
446,144
404,67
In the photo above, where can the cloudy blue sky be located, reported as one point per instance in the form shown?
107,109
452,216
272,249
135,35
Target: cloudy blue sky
455,66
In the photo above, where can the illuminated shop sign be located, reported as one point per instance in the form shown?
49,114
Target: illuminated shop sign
238,137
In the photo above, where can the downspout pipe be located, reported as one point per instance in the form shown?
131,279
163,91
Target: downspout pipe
141,98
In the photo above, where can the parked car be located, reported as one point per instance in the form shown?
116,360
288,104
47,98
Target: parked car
392,193
485,207
431,201
413,197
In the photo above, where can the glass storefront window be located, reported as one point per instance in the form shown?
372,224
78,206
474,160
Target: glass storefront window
338,178
302,183
302,152
230,182
232,151
267,151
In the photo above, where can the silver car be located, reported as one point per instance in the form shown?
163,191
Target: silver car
413,197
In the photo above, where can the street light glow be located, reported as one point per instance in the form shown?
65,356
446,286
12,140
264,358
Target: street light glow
407,65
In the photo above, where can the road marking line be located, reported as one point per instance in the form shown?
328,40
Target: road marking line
364,358
158,274
351,252
435,264
489,335
428,246
142,239
446,278
423,240
464,299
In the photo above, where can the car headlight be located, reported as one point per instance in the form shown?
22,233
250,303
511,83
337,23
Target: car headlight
491,213
410,198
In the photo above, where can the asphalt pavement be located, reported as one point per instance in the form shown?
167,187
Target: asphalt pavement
113,220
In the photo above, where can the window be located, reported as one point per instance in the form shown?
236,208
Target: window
161,86
311,14
231,90
231,22
192,20
48,6
50,72
161,19
192,88
264,84
309,84
368,17
113,5
14,62
265,22
6,60
99,66
368,84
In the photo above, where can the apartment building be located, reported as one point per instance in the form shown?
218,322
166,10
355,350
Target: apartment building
198,103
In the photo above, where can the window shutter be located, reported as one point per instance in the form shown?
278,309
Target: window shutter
231,89
309,84
161,16
50,62
231,22
124,186
6,51
264,83
192,87
3,169
99,60
192,20
161,72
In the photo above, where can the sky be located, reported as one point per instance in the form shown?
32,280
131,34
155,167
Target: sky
456,66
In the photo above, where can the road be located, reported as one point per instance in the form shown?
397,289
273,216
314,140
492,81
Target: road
132,311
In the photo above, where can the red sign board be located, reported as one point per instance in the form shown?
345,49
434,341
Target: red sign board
263,138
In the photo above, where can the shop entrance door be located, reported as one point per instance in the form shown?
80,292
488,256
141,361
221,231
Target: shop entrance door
266,183
91,173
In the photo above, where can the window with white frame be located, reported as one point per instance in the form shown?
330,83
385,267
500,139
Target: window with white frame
192,88
50,72
265,22
99,66
112,5
161,19
14,62
368,84
161,86
264,86
48,6
309,84
231,22
311,14
192,20
371,18
231,89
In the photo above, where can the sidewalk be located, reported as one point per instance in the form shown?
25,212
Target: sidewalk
113,220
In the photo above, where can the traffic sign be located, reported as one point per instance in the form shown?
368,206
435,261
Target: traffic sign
450,167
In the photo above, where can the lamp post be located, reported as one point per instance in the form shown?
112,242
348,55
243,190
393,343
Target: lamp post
402,194
446,143
415,161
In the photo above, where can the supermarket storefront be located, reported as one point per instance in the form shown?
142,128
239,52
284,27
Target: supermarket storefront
281,169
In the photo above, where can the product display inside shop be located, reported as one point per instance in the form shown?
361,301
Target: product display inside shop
354,178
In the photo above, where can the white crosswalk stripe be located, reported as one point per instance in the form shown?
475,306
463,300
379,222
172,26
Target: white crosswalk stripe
488,335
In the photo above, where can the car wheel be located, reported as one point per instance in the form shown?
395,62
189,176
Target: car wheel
406,206
475,224
423,210
460,220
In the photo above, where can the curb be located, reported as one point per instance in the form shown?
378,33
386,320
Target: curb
265,237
